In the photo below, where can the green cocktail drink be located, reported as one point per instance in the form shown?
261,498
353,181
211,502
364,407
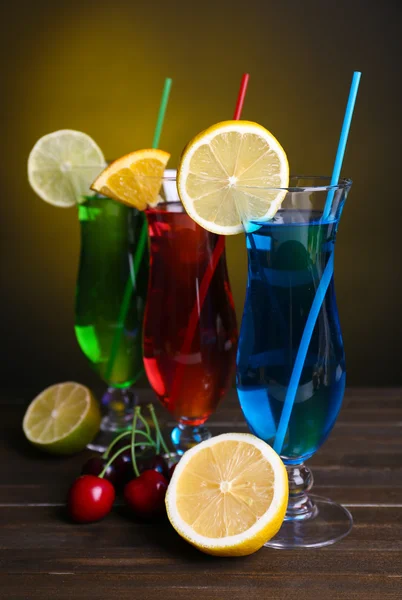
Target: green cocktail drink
110,301
113,271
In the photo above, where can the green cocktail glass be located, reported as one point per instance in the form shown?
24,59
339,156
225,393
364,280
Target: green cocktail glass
110,301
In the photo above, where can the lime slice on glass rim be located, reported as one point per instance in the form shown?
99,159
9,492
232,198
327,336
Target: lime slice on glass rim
62,166
231,174
62,419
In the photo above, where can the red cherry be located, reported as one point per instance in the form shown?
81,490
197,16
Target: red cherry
154,463
125,441
95,466
171,470
124,468
90,499
145,495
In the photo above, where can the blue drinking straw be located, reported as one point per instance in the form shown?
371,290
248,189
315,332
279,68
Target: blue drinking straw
342,142
325,280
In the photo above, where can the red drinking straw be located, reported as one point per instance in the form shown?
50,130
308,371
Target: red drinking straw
209,273
241,96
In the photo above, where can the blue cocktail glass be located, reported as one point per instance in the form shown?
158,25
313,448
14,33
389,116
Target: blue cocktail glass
291,362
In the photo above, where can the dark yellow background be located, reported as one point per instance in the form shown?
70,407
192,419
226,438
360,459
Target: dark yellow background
99,67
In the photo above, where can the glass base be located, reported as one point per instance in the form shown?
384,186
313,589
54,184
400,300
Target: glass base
119,406
328,523
185,437
172,459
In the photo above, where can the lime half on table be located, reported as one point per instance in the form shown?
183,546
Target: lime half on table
63,419
62,165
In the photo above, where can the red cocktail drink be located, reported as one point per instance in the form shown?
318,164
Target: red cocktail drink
190,329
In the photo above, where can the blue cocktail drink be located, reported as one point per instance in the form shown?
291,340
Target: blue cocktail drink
290,362
286,259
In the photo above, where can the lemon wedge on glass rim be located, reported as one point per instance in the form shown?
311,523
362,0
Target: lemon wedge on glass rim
228,495
134,179
229,175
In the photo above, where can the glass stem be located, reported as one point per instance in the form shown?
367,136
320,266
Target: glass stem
300,506
119,406
185,436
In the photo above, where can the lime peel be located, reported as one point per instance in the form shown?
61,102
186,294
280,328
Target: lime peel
62,419
62,166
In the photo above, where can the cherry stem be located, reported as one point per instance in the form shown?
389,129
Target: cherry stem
158,443
145,423
159,436
117,454
137,413
126,433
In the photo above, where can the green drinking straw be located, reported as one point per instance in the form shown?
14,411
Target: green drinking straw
142,242
128,291
324,283
162,112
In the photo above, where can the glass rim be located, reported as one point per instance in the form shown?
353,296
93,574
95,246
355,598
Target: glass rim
343,184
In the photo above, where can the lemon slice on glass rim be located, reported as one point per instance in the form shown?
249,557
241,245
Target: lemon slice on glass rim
231,174
228,495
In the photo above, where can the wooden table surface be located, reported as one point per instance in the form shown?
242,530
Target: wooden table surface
43,556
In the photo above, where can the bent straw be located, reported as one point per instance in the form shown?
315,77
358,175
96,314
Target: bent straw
325,280
140,248
209,273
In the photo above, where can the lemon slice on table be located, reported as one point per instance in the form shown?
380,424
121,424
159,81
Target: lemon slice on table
63,419
225,174
62,166
134,179
228,495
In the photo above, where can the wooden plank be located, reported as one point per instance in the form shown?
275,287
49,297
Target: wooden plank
351,493
206,585
22,396
146,561
357,411
372,398
41,481
47,528
377,442
368,407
